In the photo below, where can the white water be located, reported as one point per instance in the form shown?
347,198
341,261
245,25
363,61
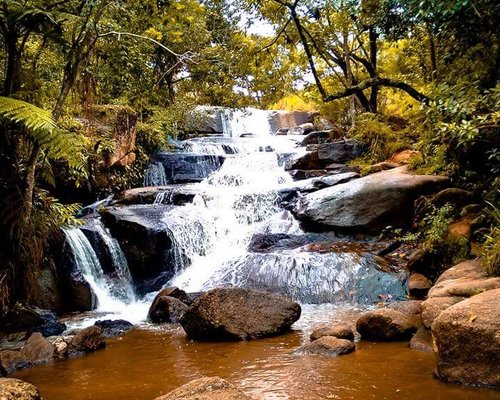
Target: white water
88,264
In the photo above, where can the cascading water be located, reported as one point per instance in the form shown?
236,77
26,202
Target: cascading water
121,284
89,266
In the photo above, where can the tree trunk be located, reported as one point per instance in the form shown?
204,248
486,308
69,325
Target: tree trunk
432,51
30,181
373,60
11,81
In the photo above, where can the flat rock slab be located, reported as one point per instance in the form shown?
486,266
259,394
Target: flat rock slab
213,388
239,314
467,337
327,346
369,203
339,331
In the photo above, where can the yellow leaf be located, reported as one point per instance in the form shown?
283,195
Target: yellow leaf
472,317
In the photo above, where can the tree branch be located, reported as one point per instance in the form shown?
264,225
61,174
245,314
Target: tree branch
378,81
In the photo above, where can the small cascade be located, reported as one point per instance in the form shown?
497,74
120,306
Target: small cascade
155,175
248,121
121,285
88,264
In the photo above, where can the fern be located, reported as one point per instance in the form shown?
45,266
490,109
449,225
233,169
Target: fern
42,129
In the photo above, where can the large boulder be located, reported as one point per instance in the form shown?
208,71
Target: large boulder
37,350
468,341
23,318
418,285
328,346
16,389
322,155
213,388
372,202
287,119
464,280
87,340
239,314
431,308
386,325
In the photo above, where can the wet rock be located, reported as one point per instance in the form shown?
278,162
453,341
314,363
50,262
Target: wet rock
281,132
418,285
16,389
318,137
431,308
113,328
302,129
325,154
239,314
180,167
403,157
23,318
87,340
422,340
166,309
328,346
312,276
176,195
372,202
338,331
146,240
10,360
455,196
47,290
37,350
468,341
173,291
213,388
386,325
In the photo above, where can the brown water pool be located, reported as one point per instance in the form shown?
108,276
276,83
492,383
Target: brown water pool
148,362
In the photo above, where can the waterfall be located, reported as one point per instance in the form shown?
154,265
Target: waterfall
88,264
155,175
121,286
236,122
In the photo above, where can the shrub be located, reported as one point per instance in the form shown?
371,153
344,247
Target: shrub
491,247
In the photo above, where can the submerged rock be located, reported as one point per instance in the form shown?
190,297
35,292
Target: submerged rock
328,346
10,360
16,389
386,325
314,277
338,331
87,340
422,340
468,341
213,388
372,202
113,328
239,314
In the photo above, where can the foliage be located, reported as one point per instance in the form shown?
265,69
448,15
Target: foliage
379,138
42,129
491,246
436,239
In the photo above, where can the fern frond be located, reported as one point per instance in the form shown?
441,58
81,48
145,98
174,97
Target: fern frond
41,127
